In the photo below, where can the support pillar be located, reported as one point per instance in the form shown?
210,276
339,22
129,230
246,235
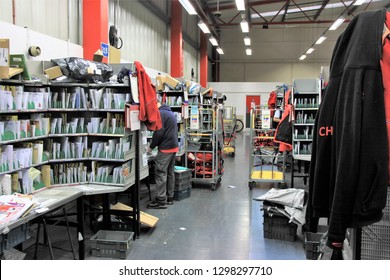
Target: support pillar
203,60
95,26
176,40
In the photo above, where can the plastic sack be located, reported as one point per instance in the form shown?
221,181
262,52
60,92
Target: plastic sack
84,70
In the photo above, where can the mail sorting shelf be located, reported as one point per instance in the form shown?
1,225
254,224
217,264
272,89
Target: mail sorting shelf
266,163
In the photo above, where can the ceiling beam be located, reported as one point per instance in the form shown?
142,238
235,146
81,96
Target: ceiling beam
283,23
155,10
250,4
321,9
285,10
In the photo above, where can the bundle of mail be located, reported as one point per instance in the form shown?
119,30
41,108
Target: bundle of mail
288,202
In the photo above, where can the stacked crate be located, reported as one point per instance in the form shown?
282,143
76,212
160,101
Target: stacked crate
111,244
313,242
182,183
277,226
375,240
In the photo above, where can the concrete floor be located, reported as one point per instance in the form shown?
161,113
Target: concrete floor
225,224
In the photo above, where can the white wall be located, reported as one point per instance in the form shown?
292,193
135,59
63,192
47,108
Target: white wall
22,38
265,72
57,18
236,93
145,37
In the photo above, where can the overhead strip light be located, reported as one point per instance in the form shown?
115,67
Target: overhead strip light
359,2
213,41
188,6
247,41
203,26
220,51
302,57
244,26
320,40
309,51
248,51
240,5
337,23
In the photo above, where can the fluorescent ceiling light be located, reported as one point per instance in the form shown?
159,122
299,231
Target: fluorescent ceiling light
240,5
302,57
320,40
213,41
309,51
248,51
244,26
188,6
203,26
337,23
220,51
247,41
359,2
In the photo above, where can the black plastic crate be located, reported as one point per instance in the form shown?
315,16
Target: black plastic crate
312,245
184,185
182,194
111,244
183,174
278,227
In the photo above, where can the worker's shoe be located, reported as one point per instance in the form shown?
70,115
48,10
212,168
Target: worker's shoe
170,200
157,205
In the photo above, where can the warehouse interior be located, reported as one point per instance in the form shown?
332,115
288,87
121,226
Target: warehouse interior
288,48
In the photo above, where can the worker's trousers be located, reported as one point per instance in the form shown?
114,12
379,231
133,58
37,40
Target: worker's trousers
164,174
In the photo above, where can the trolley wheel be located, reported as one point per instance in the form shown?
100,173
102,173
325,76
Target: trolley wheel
252,185
233,154
213,186
239,125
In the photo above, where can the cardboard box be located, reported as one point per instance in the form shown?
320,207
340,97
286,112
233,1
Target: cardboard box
146,219
171,81
114,55
98,56
4,58
53,72
160,82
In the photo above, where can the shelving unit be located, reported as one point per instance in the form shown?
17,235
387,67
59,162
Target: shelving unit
82,128
306,94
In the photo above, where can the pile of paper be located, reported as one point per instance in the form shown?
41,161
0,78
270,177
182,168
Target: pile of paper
12,207
288,202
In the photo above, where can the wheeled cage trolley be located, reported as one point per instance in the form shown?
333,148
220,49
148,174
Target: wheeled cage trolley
204,149
266,163
229,130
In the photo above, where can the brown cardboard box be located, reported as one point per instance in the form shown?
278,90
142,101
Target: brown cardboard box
146,219
167,80
53,72
4,58
160,82
114,55
171,81
98,56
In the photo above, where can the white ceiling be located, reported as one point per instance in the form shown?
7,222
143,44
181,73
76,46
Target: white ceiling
292,26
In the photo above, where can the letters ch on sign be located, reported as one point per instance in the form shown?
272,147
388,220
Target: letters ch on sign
325,130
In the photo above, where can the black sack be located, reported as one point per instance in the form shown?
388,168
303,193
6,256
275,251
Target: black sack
77,68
